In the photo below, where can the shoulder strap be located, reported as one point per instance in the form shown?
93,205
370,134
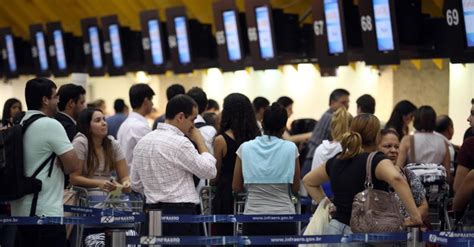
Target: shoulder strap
30,120
200,125
412,148
368,170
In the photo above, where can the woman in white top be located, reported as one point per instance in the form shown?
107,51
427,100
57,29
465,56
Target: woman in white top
100,154
428,146
340,122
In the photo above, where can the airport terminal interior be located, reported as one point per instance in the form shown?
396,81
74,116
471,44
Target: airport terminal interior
331,66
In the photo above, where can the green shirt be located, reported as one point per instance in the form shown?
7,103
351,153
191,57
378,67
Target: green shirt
43,137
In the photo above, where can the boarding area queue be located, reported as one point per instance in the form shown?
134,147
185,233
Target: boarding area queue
236,174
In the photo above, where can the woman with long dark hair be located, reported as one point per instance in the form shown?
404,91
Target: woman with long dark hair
401,117
269,168
238,125
100,154
11,107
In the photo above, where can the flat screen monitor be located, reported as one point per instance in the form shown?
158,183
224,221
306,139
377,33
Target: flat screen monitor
264,30
59,48
231,35
383,25
333,27
42,55
155,40
95,47
182,40
114,34
10,52
468,9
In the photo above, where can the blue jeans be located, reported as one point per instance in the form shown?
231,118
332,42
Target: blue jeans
336,227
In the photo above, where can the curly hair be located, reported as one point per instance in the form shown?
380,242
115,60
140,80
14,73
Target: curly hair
238,116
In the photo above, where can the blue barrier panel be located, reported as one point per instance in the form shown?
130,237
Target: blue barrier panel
269,240
98,211
72,220
234,218
461,239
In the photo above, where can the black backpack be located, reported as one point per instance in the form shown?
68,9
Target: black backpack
13,182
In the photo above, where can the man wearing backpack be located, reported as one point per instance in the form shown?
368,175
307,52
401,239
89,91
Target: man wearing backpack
43,138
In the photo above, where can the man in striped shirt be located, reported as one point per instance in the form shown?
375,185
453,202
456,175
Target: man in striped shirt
165,160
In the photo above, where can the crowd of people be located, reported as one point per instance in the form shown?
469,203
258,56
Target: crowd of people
245,147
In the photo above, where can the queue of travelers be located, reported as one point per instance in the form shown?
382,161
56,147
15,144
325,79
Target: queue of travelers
243,147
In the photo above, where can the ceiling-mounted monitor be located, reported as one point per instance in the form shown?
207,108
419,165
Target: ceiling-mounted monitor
179,40
231,36
155,43
468,12
333,27
264,30
59,49
93,50
65,51
383,25
379,32
234,51
329,32
261,34
39,50
459,19
10,53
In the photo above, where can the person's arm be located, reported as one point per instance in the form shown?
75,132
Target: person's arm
385,171
137,184
201,164
297,138
464,193
461,173
423,209
295,187
69,162
78,179
403,151
238,180
122,172
313,181
197,138
220,148
447,164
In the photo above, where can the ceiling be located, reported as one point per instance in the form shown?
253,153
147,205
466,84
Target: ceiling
19,14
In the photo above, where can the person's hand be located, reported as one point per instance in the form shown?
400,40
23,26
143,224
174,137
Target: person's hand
107,186
410,221
195,135
126,184
126,187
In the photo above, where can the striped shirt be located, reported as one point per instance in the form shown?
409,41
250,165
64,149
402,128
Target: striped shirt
164,162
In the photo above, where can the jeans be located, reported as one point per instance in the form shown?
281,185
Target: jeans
336,227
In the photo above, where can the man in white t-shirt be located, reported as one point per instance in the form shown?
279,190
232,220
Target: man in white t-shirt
136,125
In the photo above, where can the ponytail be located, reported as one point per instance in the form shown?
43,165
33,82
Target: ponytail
351,143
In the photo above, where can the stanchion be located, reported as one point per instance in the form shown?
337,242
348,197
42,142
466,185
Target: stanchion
115,238
154,224
414,237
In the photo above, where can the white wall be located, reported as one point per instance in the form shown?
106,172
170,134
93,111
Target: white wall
461,91
303,83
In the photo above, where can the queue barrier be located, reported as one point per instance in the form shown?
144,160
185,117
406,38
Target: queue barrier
110,216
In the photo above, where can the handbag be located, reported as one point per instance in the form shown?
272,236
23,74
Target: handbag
375,210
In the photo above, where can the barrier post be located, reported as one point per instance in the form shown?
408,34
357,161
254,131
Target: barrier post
414,237
154,223
115,238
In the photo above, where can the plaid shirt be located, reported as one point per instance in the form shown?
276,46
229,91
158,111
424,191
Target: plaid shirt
321,132
164,162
